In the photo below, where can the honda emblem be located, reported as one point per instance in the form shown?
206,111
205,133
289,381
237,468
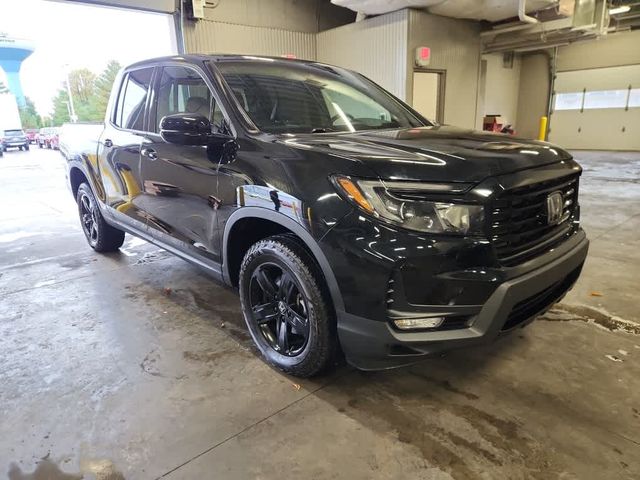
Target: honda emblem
554,208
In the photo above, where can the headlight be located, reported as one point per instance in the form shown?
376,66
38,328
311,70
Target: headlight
400,203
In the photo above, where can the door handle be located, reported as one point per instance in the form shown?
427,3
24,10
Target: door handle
150,153
108,143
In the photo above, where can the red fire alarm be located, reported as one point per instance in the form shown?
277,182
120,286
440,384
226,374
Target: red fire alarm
423,56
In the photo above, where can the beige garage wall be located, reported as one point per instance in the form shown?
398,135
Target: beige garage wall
455,47
610,51
533,99
376,47
260,27
500,88
208,36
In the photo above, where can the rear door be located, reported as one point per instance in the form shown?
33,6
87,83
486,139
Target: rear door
119,148
180,182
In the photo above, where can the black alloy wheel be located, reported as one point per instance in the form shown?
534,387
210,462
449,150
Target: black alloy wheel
279,308
287,306
88,218
101,236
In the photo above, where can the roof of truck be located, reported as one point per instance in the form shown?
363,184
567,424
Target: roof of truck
216,58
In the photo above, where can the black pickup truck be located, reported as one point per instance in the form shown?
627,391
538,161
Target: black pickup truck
348,222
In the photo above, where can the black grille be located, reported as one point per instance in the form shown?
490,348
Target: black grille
517,221
536,304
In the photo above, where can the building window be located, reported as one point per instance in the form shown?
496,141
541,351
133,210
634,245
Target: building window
568,101
606,99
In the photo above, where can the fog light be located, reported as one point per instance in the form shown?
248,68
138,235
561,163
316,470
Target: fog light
414,323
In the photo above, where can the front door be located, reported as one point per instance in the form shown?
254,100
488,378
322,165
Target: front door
180,182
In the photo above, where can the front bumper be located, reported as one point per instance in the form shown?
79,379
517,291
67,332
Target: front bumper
15,144
372,344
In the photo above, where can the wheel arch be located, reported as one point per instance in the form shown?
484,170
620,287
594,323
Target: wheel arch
280,224
76,178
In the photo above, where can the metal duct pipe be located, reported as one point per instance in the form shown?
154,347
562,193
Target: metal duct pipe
522,15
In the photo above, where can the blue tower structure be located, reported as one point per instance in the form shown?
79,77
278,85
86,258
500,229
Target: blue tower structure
13,52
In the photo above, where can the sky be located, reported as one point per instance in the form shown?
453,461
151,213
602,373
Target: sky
79,36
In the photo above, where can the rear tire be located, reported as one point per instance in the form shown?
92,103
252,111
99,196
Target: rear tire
26,147
101,236
295,299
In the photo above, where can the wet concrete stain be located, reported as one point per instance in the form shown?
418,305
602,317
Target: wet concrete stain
569,313
149,364
76,263
208,356
416,412
151,257
220,307
231,319
446,385
46,469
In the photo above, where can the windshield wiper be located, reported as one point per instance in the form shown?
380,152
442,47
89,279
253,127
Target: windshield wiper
322,130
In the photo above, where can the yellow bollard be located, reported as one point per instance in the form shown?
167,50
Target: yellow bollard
542,131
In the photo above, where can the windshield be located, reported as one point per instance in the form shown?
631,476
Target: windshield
311,98
13,133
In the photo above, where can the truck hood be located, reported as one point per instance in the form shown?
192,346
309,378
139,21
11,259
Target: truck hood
439,153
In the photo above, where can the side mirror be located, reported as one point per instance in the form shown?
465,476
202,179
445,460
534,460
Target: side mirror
185,129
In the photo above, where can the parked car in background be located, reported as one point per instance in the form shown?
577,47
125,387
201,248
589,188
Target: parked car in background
13,139
31,134
346,220
48,138
41,137
54,139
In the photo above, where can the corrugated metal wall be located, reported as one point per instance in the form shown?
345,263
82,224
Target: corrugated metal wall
376,47
208,36
455,48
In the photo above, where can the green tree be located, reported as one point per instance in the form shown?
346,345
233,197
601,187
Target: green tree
82,85
102,90
90,95
29,116
60,113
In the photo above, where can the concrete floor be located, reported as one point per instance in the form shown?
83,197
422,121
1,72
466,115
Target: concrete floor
135,365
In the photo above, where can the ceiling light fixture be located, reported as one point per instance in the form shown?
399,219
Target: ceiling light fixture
621,9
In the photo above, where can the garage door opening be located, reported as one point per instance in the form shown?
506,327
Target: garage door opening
77,48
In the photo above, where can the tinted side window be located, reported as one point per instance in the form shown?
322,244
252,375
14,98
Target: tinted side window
132,99
183,90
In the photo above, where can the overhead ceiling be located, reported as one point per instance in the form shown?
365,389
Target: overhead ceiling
489,10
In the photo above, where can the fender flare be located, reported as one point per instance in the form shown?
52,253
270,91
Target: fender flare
297,229
92,178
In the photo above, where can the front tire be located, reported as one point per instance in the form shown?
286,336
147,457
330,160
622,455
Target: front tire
101,236
26,147
287,308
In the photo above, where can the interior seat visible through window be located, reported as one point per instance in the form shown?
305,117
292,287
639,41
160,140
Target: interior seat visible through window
183,90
